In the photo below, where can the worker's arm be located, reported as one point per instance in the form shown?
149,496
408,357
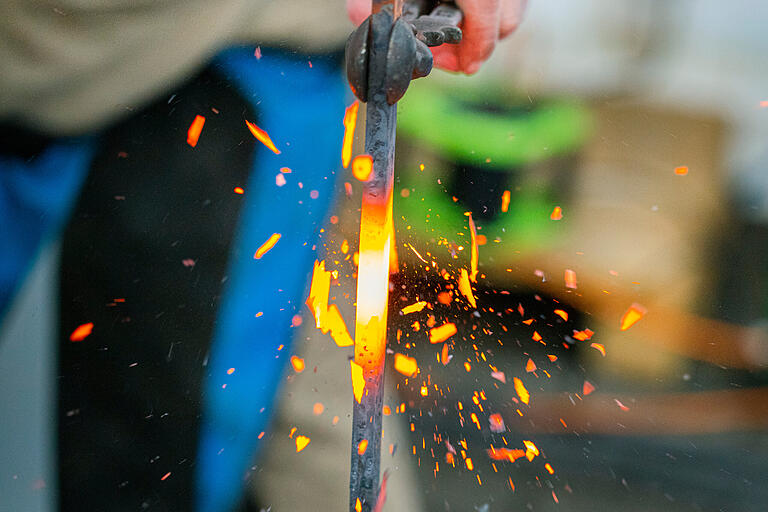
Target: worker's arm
485,22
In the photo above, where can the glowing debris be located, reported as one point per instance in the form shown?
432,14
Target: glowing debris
548,467
424,391
588,388
338,329
442,333
280,179
318,409
239,190
358,505
162,479
474,255
584,335
525,397
499,376
621,405
570,279
681,171
530,450
358,381
445,358
506,454
301,443
496,423
230,371
81,332
557,213
466,289
262,137
562,314
193,133
266,246
530,366
505,197
444,298
552,358
350,120
469,464
297,363
632,315
406,365
536,336
599,347
414,308
317,302
362,446
362,167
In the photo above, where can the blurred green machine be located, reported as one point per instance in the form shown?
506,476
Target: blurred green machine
488,150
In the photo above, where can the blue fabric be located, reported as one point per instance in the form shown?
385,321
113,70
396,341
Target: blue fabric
36,198
301,108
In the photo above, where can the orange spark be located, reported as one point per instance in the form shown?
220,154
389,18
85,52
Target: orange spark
193,133
266,246
584,335
358,505
588,388
473,258
335,324
570,279
536,336
318,409
599,347
230,371
362,167
444,298
466,289
362,446
301,443
496,423
424,391
444,358
548,467
499,376
165,476
82,332
632,315
562,314
415,307
442,333
262,137
239,190
358,381
406,365
530,366
530,450
350,120
505,201
525,397
297,363
505,454
317,301
552,358
681,171
469,464
556,214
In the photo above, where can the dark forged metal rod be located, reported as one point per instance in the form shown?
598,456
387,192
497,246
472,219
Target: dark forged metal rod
383,55
380,121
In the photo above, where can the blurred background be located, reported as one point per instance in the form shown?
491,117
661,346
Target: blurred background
613,157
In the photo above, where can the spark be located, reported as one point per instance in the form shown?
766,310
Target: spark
358,381
506,454
415,307
557,213
505,201
599,347
499,376
632,315
562,314
588,388
193,133
266,246
496,423
350,120
442,333
406,365
681,170
473,259
165,476
301,443
81,332
525,397
530,450
548,467
570,279
297,363
530,366
466,289
584,335
239,190
362,446
318,409
262,136
362,167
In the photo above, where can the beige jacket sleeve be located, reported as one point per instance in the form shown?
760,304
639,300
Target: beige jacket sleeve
72,66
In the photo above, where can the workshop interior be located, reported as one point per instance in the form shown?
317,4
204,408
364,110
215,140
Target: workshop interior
297,266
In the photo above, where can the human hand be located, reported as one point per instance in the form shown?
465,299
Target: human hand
485,22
